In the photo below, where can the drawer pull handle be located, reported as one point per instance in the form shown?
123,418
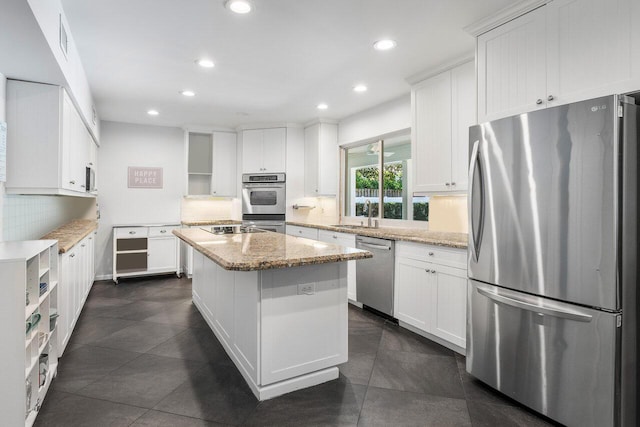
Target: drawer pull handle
538,101
72,182
72,255
550,98
82,245
132,232
335,237
431,254
163,231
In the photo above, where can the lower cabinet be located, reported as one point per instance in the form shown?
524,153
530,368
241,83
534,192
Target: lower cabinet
348,240
143,250
77,273
431,291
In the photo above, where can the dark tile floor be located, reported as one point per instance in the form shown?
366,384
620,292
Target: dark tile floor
142,355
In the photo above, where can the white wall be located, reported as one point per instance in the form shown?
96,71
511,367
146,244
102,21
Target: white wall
3,118
123,145
385,118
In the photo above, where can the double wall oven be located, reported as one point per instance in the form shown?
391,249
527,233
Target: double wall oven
264,201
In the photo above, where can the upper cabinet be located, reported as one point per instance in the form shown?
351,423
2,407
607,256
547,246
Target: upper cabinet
443,108
48,146
264,150
562,52
321,159
211,164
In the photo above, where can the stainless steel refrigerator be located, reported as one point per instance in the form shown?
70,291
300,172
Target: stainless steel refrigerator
552,302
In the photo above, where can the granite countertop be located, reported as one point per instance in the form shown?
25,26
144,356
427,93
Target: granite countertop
71,233
438,238
211,222
263,251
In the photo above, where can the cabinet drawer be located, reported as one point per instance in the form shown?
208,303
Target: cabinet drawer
131,232
343,239
162,231
435,254
306,232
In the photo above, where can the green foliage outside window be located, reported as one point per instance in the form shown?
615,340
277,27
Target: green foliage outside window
392,175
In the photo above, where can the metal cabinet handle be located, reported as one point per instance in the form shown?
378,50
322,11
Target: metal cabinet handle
447,184
90,238
453,183
299,231
550,98
433,272
335,237
538,101
163,231
82,245
132,232
431,253
530,306
72,255
90,164
72,182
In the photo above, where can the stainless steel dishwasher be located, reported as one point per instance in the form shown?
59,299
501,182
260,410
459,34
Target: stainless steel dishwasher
374,276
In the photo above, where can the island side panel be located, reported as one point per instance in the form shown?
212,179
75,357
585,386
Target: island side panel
304,320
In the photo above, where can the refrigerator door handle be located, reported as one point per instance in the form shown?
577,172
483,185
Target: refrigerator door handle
536,308
475,236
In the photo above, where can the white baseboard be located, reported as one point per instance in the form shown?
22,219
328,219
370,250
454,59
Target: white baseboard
104,277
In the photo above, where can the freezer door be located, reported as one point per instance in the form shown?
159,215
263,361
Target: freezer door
556,358
543,203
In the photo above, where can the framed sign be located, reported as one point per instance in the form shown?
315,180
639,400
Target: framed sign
143,177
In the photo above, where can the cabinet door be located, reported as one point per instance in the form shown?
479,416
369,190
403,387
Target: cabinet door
412,293
252,151
349,240
328,160
68,134
65,297
311,143
223,181
162,254
591,48
274,150
449,304
431,150
463,115
512,67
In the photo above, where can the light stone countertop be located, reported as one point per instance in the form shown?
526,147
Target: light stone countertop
438,238
267,250
71,233
196,223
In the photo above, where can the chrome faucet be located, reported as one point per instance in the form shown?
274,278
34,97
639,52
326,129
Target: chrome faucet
367,204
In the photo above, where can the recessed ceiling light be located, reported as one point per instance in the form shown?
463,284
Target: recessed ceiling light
239,6
188,93
384,44
360,88
322,106
153,112
205,63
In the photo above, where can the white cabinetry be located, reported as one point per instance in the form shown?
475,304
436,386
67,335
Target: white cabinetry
348,240
321,160
29,271
211,164
298,231
264,150
443,109
50,147
144,250
431,292
562,52
77,273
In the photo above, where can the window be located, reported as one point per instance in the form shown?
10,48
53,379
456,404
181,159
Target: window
366,186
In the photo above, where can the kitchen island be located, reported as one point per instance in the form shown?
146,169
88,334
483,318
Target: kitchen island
276,303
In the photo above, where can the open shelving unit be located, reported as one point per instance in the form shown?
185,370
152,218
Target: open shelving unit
30,355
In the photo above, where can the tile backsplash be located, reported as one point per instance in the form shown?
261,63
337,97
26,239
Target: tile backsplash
27,217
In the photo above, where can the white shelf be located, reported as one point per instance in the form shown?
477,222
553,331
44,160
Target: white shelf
44,271
44,296
33,364
29,310
44,343
52,285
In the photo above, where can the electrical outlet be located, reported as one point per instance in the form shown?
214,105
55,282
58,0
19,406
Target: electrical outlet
306,289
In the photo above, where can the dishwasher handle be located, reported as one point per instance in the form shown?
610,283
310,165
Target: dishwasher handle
374,246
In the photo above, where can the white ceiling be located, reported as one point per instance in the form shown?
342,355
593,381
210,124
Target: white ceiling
272,65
